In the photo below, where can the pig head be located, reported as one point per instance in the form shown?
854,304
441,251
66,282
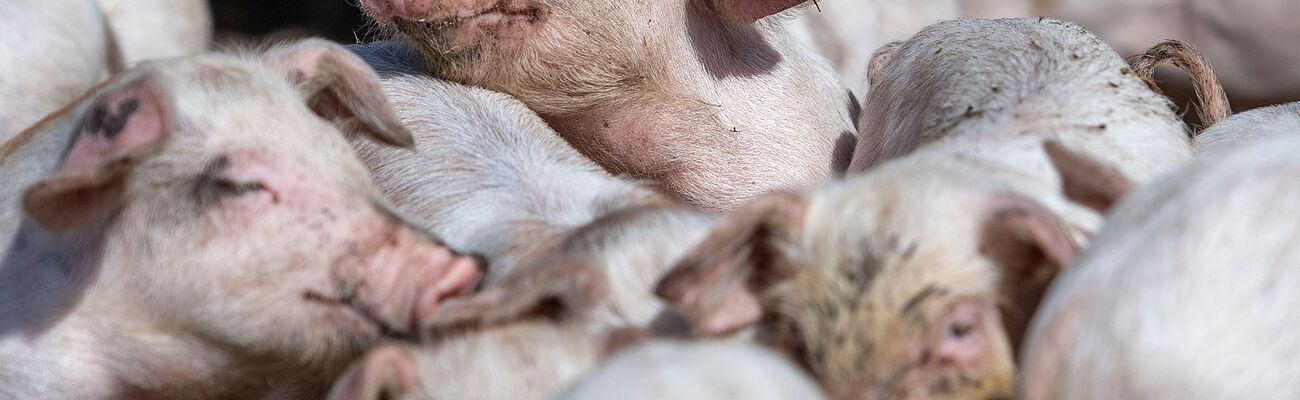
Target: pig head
209,233
680,92
900,284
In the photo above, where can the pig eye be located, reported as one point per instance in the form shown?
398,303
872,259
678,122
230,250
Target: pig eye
227,187
959,329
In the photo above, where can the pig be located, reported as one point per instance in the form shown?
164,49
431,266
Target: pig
517,339
1189,292
491,178
53,51
981,82
846,32
913,281
1253,44
181,248
1249,127
695,371
154,29
710,99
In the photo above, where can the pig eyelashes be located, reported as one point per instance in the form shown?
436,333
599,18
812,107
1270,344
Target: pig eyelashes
212,185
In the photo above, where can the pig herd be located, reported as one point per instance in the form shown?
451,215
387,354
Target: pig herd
664,199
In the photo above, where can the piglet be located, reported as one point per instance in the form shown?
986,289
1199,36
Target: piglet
710,99
1189,292
208,233
911,282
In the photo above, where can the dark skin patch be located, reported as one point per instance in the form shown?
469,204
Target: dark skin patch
108,123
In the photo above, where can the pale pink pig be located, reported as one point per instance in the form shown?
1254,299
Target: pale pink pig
208,233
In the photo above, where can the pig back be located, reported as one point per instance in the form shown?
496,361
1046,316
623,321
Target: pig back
971,81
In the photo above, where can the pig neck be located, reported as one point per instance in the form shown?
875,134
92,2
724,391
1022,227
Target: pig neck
708,107
63,328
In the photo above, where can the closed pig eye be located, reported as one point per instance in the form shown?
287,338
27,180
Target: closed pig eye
228,187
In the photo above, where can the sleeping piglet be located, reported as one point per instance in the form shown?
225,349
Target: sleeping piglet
208,233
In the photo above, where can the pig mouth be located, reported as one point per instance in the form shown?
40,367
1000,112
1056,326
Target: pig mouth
498,13
349,303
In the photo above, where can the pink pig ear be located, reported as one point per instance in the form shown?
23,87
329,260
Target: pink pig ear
717,286
342,88
1030,245
387,372
124,126
557,289
750,11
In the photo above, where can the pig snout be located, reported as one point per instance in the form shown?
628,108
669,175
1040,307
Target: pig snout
407,275
388,10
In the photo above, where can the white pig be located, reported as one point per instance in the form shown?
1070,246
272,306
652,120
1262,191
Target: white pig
1189,292
1249,127
491,178
695,371
914,281
710,99
52,52
153,29
206,235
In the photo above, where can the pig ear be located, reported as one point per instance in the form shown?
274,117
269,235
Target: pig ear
750,11
716,286
1085,180
556,290
387,372
1019,231
342,88
1030,245
880,59
124,126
